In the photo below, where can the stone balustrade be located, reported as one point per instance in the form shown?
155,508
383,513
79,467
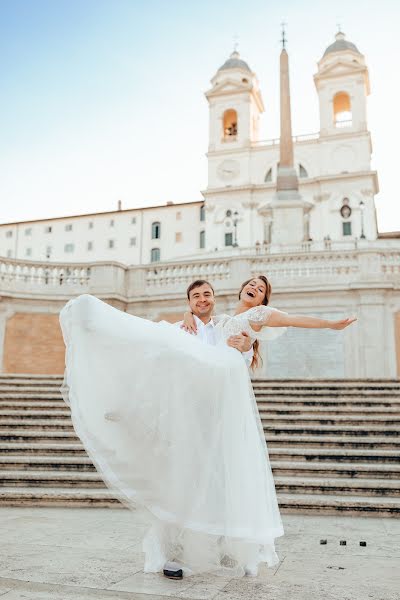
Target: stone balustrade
296,139
311,265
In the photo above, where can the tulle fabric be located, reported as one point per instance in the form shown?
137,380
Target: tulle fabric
172,425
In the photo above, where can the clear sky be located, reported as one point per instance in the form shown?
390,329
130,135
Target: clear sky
102,100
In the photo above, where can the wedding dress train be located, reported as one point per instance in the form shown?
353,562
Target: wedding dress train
172,425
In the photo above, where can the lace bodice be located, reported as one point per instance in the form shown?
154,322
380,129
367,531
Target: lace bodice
232,325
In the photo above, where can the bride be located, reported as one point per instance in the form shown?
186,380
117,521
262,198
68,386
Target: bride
172,425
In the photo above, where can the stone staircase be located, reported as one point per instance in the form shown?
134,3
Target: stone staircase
334,446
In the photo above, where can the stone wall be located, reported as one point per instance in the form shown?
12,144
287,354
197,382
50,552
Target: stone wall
33,344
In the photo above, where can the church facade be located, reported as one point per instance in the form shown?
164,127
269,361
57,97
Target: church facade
299,209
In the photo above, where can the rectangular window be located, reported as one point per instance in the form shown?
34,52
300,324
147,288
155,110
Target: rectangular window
28,251
178,236
90,225
28,231
132,241
202,213
346,228
49,250
133,221
155,255
48,229
9,253
9,233
90,246
155,230
202,239
178,216
112,223
69,247
68,227
111,243
229,239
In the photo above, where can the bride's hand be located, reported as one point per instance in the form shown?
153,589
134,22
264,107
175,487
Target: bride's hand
343,323
189,324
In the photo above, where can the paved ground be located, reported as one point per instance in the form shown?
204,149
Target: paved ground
82,554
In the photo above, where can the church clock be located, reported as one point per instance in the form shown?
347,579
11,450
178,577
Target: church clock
228,169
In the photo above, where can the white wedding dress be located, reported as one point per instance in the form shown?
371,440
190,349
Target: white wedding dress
172,425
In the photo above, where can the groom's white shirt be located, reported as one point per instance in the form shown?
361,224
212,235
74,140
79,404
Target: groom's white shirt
206,334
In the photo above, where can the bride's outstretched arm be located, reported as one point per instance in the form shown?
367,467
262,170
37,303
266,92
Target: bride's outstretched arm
279,319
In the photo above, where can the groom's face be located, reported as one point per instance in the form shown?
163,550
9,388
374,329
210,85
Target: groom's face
201,301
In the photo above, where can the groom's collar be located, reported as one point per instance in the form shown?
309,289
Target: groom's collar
210,322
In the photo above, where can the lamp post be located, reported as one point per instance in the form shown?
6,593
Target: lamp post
235,222
362,208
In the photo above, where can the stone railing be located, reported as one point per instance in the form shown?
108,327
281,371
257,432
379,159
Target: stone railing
374,264
296,139
59,279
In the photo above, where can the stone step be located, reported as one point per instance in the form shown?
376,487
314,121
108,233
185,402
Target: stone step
277,420
42,405
306,385
29,389
289,503
342,430
328,455
7,424
330,504
32,396
46,463
58,496
336,470
336,486
33,377
325,399
37,448
326,441
37,435
50,478
34,414
281,409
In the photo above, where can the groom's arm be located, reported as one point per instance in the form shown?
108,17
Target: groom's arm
244,344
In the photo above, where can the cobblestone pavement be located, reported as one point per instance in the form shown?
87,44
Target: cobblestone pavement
83,554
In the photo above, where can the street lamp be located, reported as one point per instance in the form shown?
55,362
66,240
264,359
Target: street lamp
362,208
235,222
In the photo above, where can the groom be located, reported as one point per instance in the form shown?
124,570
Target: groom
201,300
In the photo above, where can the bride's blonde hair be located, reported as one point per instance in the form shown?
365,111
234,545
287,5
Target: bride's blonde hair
257,360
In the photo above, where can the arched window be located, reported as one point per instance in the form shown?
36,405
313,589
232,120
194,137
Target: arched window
302,171
202,239
202,213
268,176
342,110
155,255
155,230
230,125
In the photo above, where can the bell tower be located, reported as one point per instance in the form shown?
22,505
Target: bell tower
235,105
342,84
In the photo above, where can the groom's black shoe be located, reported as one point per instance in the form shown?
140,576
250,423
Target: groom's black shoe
173,574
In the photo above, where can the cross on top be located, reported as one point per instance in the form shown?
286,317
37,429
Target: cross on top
283,39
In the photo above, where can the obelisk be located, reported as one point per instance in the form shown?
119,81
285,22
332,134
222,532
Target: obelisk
287,176
288,207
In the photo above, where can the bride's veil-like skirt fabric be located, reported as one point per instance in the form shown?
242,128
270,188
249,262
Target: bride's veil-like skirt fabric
172,425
